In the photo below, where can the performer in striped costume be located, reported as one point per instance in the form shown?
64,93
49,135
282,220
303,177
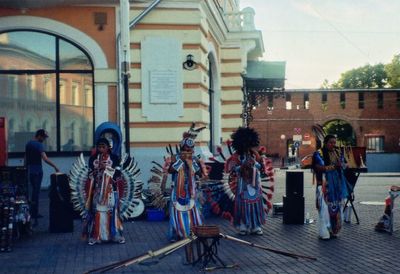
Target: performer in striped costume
185,168
244,168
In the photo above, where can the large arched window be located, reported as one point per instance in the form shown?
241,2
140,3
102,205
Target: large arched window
46,76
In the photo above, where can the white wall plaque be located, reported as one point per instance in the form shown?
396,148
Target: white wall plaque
163,87
162,79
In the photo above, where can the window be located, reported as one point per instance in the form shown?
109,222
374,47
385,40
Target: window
306,101
288,101
48,89
63,99
324,98
375,143
75,94
324,101
270,102
343,100
50,72
12,86
88,96
361,100
380,100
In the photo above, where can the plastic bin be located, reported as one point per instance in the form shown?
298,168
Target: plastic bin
155,215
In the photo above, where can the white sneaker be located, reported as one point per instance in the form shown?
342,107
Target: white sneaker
242,232
242,229
257,231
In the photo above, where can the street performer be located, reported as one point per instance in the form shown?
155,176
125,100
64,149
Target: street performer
105,193
185,168
328,165
244,167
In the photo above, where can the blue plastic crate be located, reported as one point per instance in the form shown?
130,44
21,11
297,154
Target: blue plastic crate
155,215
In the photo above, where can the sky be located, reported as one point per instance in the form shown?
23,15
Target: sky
320,39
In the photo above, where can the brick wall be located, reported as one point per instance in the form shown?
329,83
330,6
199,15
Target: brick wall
370,121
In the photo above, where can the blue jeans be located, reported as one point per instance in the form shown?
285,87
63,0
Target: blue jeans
36,181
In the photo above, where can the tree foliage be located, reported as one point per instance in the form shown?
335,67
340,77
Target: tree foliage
368,76
343,132
363,77
393,72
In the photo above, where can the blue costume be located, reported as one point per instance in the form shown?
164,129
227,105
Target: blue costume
331,190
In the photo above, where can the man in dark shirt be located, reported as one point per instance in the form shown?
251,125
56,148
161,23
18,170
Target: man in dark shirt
34,154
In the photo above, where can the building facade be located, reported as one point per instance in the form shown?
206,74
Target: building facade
152,67
372,117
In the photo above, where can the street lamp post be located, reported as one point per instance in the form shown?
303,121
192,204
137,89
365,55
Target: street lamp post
283,138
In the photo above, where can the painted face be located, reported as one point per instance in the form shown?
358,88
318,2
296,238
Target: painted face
330,145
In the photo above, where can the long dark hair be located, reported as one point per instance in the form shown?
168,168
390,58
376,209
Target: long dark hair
325,152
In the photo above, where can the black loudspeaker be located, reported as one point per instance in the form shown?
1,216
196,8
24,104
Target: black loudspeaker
294,183
217,170
61,211
293,210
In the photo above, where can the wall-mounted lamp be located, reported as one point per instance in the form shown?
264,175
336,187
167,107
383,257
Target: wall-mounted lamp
189,64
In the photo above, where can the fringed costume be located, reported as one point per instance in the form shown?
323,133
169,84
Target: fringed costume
244,170
185,168
105,193
331,188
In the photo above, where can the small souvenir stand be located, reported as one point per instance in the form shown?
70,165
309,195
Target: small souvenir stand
14,206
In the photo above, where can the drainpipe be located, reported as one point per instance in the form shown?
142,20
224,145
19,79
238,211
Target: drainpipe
124,60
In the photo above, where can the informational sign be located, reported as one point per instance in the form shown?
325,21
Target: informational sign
163,89
306,142
297,137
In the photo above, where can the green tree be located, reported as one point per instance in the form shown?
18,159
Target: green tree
393,72
343,132
363,77
325,84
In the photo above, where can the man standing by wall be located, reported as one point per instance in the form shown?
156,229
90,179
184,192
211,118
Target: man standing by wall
34,153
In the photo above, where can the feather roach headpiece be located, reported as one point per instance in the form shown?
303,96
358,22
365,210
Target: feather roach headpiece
244,138
190,135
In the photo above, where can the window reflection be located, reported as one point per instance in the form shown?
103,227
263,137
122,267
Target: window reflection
72,57
29,98
75,115
23,50
27,111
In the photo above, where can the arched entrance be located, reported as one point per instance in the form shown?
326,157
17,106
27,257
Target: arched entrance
342,130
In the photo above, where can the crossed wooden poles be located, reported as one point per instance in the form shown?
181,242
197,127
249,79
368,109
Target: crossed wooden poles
167,250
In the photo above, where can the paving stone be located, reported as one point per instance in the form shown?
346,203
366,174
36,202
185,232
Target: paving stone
359,249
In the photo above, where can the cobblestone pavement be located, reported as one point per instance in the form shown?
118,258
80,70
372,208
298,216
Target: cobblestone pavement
358,249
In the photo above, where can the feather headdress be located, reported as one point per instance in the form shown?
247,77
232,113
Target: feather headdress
190,135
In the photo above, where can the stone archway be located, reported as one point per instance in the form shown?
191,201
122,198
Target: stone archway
343,131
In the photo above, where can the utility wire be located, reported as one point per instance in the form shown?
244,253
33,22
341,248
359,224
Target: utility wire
340,32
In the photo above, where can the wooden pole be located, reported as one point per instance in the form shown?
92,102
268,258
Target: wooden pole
296,256
150,254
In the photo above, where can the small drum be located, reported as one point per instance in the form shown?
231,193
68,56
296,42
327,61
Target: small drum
206,231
